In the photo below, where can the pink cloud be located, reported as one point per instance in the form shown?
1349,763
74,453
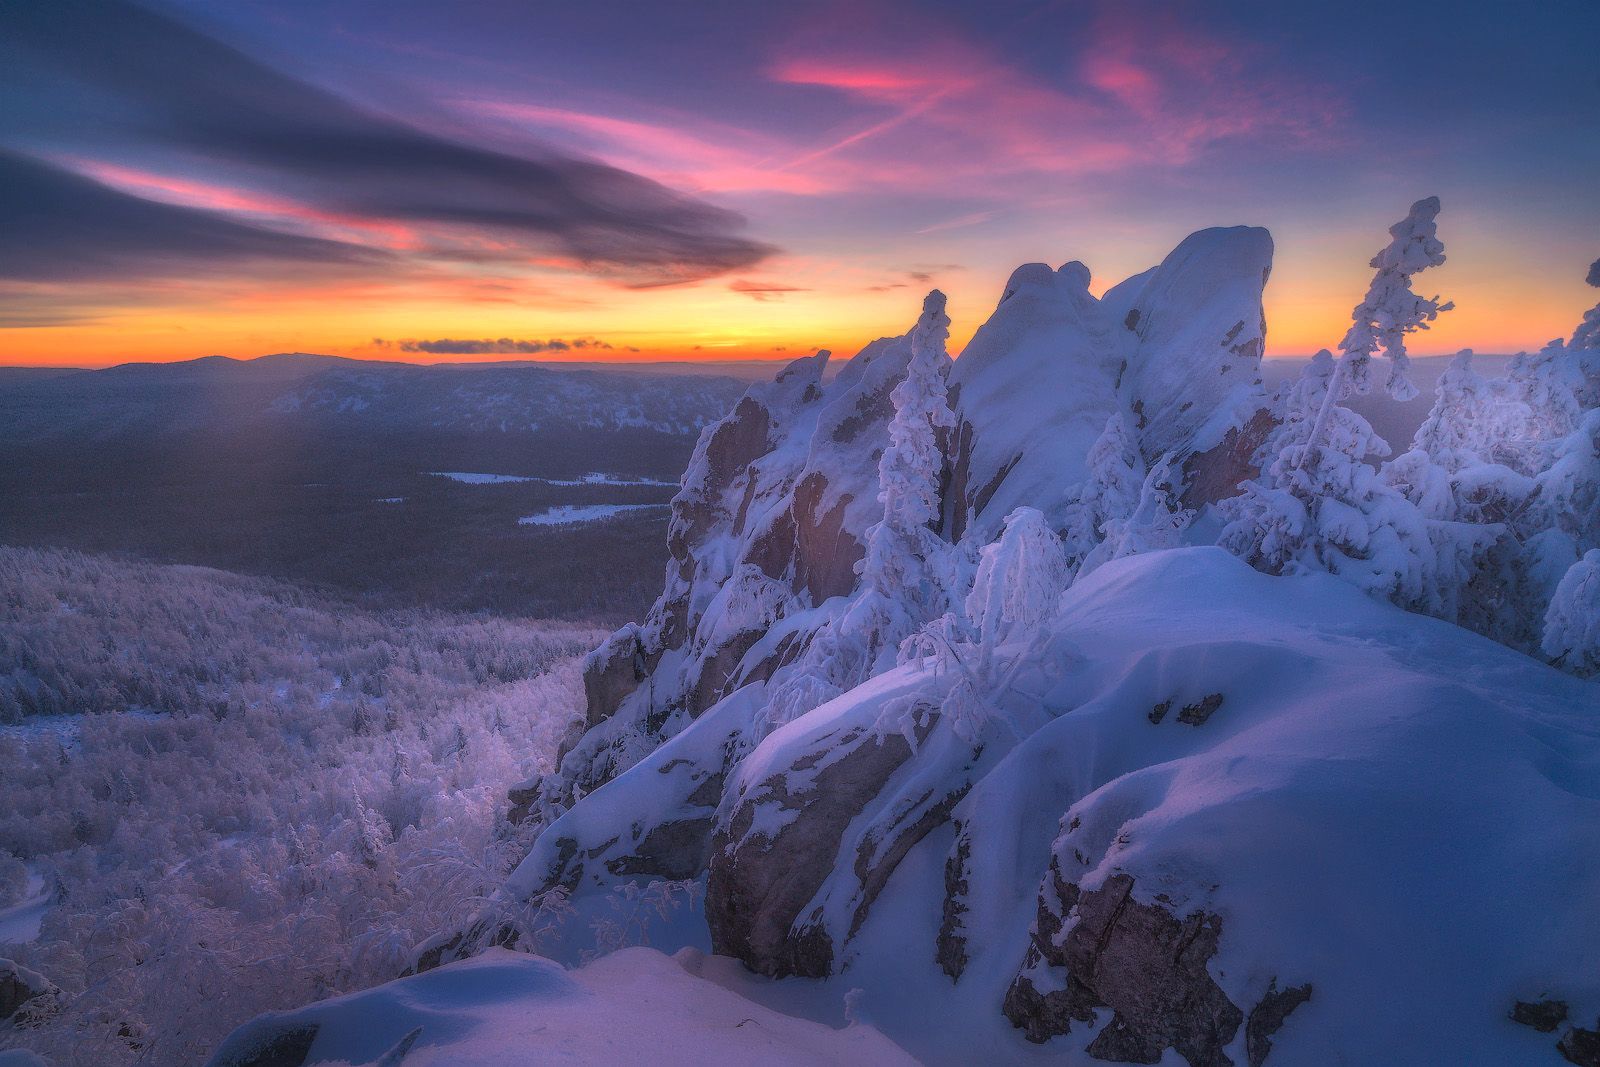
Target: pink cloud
191,192
719,159
944,112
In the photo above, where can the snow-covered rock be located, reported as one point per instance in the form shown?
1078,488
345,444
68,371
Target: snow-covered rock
23,991
769,530
1183,809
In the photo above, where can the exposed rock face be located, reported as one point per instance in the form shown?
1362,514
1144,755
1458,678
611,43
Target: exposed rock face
1543,1015
260,1046
23,991
1141,961
762,884
1581,1046
783,489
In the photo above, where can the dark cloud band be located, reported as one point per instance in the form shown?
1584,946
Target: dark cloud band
449,346
85,73
59,226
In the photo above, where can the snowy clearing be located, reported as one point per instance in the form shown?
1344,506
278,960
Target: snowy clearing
573,514
20,922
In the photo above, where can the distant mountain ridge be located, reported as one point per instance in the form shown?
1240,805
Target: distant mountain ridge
222,393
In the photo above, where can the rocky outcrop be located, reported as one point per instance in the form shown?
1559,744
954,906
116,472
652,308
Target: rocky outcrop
1581,1046
764,882
262,1045
764,540
1268,1017
1543,1015
1146,964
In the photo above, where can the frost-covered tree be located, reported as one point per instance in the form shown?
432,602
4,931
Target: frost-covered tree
1587,336
1156,522
1323,507
1111,490
1567,493
908,473
1018,583
1452,434
1016,589
901,569
1389,312
1572,623
1391,309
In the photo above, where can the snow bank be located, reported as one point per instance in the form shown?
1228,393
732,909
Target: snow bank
503,1009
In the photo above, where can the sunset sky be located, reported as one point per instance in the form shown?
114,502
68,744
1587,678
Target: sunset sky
417,180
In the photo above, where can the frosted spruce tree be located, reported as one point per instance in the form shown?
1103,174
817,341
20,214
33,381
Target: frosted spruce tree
1572,623
902,544
1586,338
1452,434
1391,309
1267,525
1388,313
1018,584
1323,507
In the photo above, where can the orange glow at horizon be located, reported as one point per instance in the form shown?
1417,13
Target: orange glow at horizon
707,321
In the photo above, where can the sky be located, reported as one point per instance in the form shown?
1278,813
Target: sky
403,179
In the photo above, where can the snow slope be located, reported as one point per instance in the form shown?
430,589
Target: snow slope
504,1008
1394,811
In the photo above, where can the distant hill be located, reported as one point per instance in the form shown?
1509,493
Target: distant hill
219,392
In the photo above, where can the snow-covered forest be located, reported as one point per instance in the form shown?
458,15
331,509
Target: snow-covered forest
233,792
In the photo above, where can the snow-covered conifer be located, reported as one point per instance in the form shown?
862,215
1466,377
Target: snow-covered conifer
899,569
1322,506
1391,310
1110,492
1572,623
1587,336
1452,432
1567,493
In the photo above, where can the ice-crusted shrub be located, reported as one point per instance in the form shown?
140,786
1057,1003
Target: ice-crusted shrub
1155,523
1111,491
633,907
1016,590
